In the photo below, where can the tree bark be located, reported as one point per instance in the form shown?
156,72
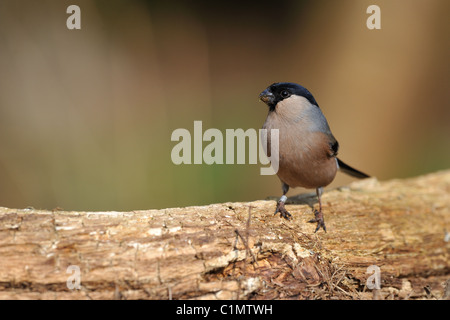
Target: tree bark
217,252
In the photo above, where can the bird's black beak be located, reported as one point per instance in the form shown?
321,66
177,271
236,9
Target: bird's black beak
267,97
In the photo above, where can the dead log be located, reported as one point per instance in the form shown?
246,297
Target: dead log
217,252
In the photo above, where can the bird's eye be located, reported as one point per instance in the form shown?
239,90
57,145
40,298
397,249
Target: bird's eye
285,94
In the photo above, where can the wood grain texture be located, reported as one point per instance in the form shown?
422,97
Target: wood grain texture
216,252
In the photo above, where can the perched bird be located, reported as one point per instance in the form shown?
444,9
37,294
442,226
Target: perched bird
307,148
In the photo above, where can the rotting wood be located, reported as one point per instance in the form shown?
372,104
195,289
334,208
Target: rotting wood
209,252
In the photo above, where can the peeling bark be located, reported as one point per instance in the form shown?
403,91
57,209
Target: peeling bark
216,252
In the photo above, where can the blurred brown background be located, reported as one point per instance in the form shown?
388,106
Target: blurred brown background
86,115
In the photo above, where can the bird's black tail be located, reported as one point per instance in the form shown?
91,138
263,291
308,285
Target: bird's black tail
351,171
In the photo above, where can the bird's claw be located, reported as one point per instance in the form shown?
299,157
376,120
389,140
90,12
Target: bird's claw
282,210
318,217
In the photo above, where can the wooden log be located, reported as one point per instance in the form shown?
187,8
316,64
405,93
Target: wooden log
217,252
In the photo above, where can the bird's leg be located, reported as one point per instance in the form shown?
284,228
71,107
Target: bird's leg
318,215
280,205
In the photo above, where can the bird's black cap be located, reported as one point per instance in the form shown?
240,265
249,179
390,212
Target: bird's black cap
282,90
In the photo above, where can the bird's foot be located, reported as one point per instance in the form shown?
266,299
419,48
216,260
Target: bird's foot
318,217
282,210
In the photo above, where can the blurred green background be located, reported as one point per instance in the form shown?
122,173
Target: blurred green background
86,115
